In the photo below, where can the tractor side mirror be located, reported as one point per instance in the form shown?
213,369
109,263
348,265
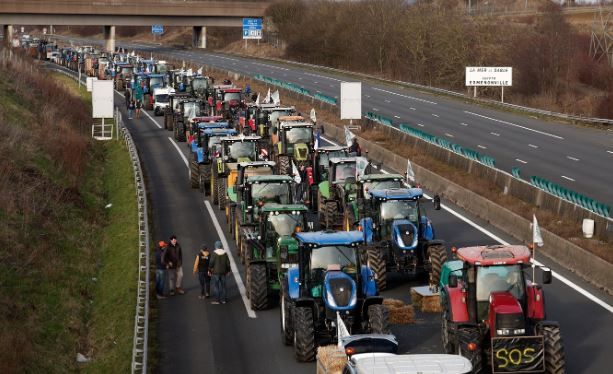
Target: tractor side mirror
437,202
546,275
453,281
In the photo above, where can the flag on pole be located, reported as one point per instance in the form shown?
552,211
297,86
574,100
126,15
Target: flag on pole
313,115
267,98
348,137
257,99
410,172
536,232
200,71
190,72
275,97
296,173
341,330
317,139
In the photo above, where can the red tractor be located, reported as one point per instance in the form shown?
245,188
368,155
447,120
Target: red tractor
494,316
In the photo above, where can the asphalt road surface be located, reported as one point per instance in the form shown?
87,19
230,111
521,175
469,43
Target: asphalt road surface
578,158
195,336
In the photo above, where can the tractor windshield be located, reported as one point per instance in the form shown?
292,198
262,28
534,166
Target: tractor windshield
274,115
344,171
214,142
241,150
285,224
271,193
298,135
380,185
156,82
499,278
399,209
163,98
229,96
200,84
342,256
191,109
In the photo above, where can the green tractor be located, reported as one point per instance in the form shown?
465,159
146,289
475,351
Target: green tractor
187,109
319,171
234,150
271,250
292,143
173,109
252,194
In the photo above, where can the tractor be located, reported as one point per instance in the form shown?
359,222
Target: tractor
201,87
267,115
259,188
399,236
172,109
233,150
271,250
123,75
319,170
328,282
202,123
494,316
292,143
152,82
187,110
205,146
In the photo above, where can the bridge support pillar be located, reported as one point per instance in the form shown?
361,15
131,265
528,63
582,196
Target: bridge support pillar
8,35
109,39
199,37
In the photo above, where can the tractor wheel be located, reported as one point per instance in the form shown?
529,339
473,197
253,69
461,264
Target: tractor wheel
171,123
258,286
230,219
237,228
468,335
346,219
320,207
437,255
287,330
213,194
555,362
446,338
330,213
284,166
378,319
221,193
166,117
205,180
179,132
194,174
304,334
377,264
245,256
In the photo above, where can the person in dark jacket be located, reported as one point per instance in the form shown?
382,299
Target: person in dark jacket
201,266
160,269
174,260
220,267
355,148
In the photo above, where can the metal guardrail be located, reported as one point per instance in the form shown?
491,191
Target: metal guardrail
141,316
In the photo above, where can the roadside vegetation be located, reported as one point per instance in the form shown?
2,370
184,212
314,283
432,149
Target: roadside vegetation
67,264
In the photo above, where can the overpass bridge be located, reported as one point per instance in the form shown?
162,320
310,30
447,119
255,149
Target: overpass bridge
111,13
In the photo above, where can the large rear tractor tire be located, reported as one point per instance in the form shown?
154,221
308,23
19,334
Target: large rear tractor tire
446,338
205,180
221,193
284,166
287,330
555,361
213,194
304,334
194,174
377,264
179,132
330,214
258,286
468,335
437,255
378,319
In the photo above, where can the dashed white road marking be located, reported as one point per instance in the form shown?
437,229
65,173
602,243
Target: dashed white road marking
405,96
420,125
522,161
463,124
515,125
322,76
397,117
611,152
435,115
387,101
412,108
449,135
315,82
481,146
270,66
572,158
368,96
568,178
533,146
495,133
375,109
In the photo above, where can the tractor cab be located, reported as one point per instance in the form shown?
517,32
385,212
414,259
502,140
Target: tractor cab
370,182
321,160
201,87
267,115
292,142
207,144
207,122
238,195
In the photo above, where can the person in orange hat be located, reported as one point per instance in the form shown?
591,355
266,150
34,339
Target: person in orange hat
160,272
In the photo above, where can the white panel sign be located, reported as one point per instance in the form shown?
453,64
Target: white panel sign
89,82
489,76
351,100
102,99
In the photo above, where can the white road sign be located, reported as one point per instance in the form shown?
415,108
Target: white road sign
102,99
89,82
351,100
489,76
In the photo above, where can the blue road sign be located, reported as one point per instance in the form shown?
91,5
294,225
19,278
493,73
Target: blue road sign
157,29
252,28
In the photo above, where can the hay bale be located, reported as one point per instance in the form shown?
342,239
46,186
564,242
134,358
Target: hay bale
429,303
393,303
330,359
399,312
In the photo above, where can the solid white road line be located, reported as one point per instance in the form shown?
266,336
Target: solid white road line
522,161
533,146
556,275
567,178
572,158
235,273
515,125
224,241
405,96
151,118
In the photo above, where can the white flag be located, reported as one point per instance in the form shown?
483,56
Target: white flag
348,137
257,99
275,97
410,172
200,71
341,329
267,98
536,232
296,173
313,116
360,166
189,72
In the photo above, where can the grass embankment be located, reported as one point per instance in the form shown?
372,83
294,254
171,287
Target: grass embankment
67,265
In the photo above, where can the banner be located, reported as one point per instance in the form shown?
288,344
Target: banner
519,354
341,330
536,232
410,172
348,137
267,98
296,173
360,167
313,116
275,97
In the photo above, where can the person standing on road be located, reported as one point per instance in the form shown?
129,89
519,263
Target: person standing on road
201,266
139,106
160,269
174,259
220,267
354,148
128,99
131,108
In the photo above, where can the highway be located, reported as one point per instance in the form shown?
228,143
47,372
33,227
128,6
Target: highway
195,336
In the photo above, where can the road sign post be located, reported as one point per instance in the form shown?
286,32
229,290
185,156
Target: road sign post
489,76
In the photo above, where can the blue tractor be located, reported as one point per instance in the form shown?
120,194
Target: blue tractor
399,236
204,147
327,282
